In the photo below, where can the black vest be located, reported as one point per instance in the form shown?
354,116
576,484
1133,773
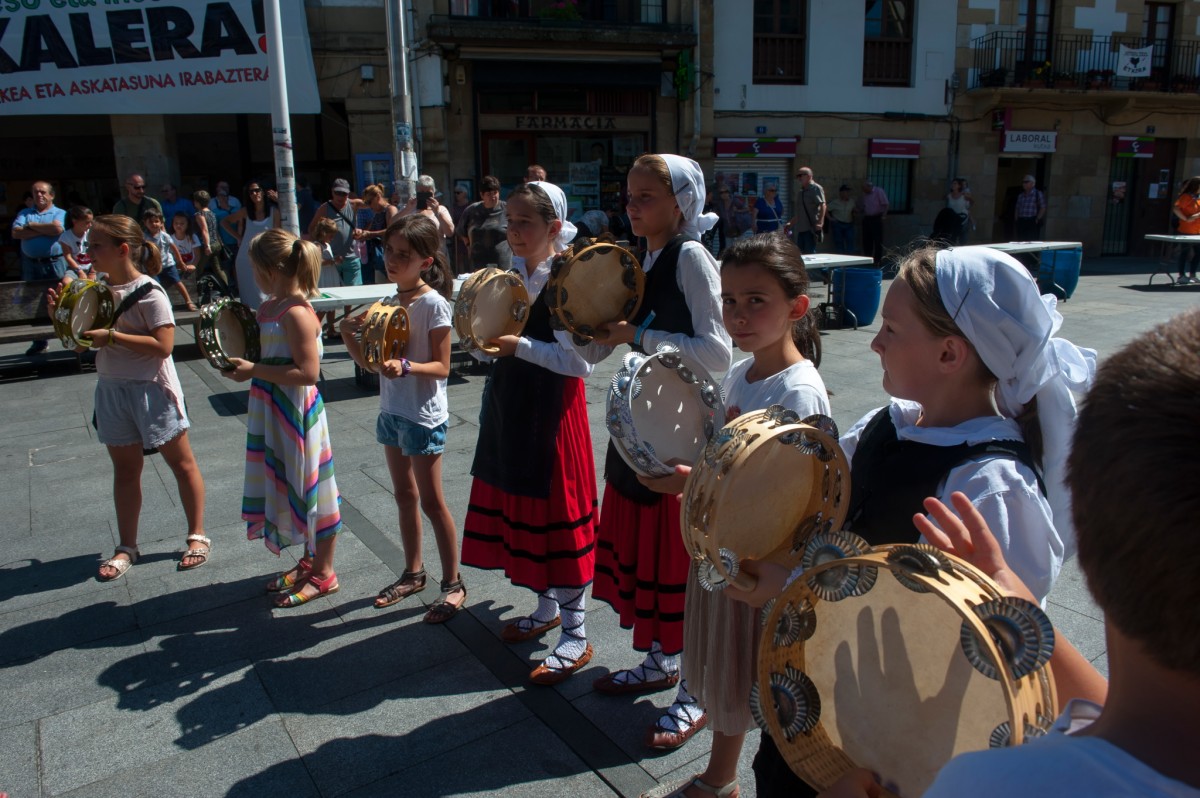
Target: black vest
519,420
890,478
671,315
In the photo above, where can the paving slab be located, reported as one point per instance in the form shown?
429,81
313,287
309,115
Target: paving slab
18,761
92,743
259,760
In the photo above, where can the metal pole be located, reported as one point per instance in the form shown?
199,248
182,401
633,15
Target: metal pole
281,126
404,158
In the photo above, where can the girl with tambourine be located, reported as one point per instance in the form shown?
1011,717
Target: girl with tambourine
641,563
289,494
413,413
532,511
139,401
765,308
983,402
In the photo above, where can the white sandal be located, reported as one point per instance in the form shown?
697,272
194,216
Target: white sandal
200,551
676,789
121,565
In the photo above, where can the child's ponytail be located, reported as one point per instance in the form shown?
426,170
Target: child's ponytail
439,276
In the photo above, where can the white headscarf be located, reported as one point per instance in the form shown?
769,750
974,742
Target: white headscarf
687,181
559,200
995,302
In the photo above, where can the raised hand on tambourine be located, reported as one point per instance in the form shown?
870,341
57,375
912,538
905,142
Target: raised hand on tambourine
506,343
242,370
351,325
617,332
967,536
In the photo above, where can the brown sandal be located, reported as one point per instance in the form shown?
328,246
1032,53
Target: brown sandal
410,582
442,610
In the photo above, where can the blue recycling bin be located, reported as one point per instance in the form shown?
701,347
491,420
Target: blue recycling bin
858,290
1060,267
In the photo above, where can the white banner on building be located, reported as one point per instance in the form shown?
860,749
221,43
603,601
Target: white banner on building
148,57
1134,63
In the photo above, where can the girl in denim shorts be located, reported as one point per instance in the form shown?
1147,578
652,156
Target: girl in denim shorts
139,403
413,413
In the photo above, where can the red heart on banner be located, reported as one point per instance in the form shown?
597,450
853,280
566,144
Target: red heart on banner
262,43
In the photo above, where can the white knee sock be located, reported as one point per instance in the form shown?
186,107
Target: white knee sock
654,667
547,610
573,640
683,713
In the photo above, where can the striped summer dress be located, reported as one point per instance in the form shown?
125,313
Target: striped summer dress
290,495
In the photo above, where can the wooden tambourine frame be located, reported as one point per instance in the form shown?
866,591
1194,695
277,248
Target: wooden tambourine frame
384,334
76,299
594,282
764,484
227,328
661,409
492,302
885,658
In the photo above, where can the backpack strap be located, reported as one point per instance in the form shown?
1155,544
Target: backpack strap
133,297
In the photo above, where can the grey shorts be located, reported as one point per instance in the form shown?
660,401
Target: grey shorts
410,438
133,411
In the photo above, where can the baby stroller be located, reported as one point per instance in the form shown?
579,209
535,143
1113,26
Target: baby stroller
947,227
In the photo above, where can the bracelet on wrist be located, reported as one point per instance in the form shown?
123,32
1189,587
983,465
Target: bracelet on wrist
112,336
405,367
641,330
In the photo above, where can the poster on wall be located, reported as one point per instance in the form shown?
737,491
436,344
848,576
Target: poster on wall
1134,62
169,57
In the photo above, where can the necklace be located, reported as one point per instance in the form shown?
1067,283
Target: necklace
410,290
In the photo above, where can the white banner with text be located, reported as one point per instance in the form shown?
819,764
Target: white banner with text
148,57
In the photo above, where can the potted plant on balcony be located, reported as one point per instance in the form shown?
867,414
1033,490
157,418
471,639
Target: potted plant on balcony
1038,76
563,10
1100,79
1065,80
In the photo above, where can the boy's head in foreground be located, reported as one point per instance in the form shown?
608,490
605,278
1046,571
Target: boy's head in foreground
1134,474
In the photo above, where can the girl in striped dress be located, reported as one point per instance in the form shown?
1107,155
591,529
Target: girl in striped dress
290,495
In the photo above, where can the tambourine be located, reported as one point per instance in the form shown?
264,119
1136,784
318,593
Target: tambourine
226,328
898,658
764,484
384,334
83,305
491,303
661,409
593,282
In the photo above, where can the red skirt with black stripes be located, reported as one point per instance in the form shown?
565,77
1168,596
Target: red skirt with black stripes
642,568
542,543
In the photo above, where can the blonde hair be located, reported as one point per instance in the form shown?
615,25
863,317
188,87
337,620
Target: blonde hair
120,229
371,192
326,227
657,166
278,250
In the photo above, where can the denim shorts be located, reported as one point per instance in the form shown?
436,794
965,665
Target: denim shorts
410,438
135,411
168,277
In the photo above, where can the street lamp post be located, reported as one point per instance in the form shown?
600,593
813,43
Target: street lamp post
281,126
404,158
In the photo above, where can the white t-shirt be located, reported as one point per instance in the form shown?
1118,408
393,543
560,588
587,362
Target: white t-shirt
1003,489
146,315
77,245
1057,765
187,248
798,387
420,400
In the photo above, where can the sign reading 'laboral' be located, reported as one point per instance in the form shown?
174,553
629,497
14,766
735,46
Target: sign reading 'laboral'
1029,141
148,57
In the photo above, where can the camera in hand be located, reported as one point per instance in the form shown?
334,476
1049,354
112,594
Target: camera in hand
423,199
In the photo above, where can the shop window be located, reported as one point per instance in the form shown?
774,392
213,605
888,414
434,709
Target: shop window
563,102
894,176
887,44
501,102
780,40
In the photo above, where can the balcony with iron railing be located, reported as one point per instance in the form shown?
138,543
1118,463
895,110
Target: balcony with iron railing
1012,59
636,23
